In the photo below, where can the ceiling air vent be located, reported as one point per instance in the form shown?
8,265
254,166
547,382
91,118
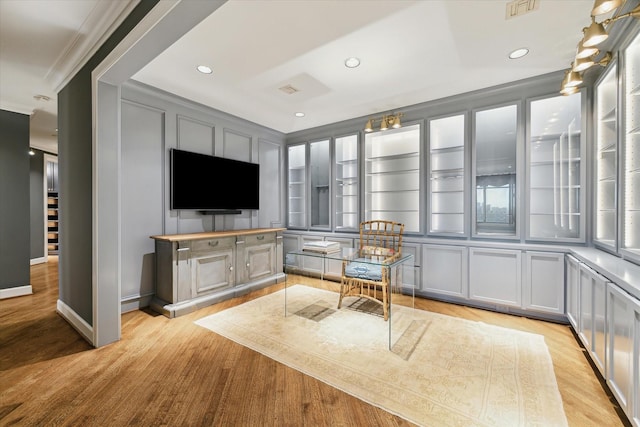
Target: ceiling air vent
289,90
521,7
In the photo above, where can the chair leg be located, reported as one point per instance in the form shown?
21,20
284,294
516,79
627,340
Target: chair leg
344,289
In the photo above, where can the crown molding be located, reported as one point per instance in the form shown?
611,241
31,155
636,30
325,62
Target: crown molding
105,17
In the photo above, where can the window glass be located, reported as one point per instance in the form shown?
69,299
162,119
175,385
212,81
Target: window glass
495,166
392,181
320,194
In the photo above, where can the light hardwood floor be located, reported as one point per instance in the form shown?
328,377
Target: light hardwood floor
171,372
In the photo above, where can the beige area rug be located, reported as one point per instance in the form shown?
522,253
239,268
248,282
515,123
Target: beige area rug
442,371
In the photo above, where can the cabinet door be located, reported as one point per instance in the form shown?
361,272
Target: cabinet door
447,173
630,246
621,320
212,272
260,260
573,288
297,181
495,276
444,270
347,182
544,282
599,293
635,413
392,176
585,325
606,124
496,176
555,171
593,315
319,175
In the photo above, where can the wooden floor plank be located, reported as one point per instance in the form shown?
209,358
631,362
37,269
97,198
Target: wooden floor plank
172,372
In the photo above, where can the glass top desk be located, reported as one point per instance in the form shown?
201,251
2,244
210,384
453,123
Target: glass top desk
401,295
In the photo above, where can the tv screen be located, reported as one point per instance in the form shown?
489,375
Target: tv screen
203,182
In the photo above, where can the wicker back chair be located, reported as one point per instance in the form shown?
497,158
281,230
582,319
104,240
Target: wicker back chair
367,276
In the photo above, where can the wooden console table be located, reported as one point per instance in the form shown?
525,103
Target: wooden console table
199,269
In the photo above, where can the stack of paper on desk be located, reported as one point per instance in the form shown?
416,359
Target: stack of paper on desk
321,246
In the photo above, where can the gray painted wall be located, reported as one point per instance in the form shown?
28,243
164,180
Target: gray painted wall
36,177
14,200
153,122
75,173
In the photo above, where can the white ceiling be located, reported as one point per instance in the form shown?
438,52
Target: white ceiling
411,52
42,43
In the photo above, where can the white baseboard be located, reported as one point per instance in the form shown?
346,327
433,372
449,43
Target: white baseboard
18,291
40,260
77,322
134,303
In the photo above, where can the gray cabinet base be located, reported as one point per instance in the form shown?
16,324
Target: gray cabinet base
179,309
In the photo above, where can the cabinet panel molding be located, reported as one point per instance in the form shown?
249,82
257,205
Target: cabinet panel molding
622,370
212,272
573,286
495,276
544,282
445,270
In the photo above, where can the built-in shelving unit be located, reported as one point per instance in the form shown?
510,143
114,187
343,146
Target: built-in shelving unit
555,174
297,181
52,223
447,175
606,124
320,173
631,173
52,213
346,177
392,180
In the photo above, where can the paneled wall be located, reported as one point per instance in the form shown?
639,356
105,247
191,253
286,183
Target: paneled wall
153,122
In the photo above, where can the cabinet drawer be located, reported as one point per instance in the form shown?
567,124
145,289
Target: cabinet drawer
212,245
258,239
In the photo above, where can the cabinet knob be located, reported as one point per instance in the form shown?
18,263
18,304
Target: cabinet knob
248,265
260,238
213,243
230,268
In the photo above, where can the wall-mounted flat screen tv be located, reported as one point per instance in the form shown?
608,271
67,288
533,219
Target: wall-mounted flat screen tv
203,182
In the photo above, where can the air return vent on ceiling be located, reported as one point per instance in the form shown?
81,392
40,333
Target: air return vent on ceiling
521,7
289,90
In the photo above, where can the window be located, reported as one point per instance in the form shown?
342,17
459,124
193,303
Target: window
495,202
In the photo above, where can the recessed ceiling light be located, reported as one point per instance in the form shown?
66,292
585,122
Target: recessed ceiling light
204,69
352,62
518,53
299,114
